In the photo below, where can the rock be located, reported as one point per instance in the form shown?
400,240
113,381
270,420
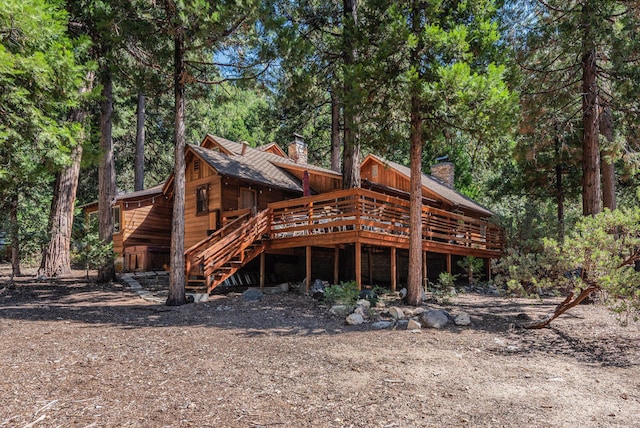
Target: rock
364,304
413,312
434,318
380,304
340,310
462,319
284,287
413,325
360,310
382,325
403,293
317,286
396,313
252,294
355,319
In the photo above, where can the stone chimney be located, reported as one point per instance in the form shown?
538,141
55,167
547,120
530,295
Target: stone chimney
298,149
445,172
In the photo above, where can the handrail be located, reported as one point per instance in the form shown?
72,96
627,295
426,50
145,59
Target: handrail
366,210
232,244
204,243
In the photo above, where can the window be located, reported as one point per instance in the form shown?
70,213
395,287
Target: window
195,172
115,212
374,170
202,200
248,199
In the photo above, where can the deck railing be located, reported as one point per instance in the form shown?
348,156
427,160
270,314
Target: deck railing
365,210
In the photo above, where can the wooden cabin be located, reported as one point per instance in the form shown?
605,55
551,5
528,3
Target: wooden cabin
142,229
257,215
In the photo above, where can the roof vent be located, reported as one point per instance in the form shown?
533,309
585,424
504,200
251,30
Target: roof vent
298,149
244,148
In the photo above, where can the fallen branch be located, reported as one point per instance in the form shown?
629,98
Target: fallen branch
562,308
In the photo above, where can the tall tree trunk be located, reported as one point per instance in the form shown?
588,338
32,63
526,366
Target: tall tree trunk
177,278
335,132
559,190
15,236
351,153
591,199
414,279
139,156
608,170
106,176
56,260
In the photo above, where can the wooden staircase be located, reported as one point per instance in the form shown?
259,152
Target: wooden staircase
220,255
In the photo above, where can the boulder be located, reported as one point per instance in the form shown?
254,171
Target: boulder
434,318
413,325
462,318
340,310
382,325
396,313
364,304
252,294
355,319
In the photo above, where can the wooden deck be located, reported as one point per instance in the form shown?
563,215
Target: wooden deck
335,220
371,218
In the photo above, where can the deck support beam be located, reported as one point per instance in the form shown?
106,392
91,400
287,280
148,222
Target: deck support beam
336,265
358,265
394,269
307,284
487,265
448,262
262,268
425,278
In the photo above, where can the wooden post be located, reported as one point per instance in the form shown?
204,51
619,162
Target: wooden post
308,269
394,269
336,265
262,268
487,264
449,263
359,265
425,279
370,265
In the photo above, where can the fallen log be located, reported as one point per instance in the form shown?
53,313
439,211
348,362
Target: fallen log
562,308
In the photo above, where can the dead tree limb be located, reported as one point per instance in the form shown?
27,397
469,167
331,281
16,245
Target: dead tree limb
562,308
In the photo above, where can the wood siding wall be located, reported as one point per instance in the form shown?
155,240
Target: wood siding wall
197,224
143,222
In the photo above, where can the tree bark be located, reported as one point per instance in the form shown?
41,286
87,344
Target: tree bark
177,277
335,132
106,176
414,279
351,153
56,259
591,196
140,137
15,236
608,170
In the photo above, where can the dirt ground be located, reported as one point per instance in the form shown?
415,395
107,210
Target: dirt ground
75,354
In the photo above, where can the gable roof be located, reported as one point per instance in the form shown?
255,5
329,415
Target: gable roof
252,154
252,166
436,186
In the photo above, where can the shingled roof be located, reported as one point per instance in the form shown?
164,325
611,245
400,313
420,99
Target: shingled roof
253,166
436,186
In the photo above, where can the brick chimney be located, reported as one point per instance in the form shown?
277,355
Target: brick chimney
445,172
298,149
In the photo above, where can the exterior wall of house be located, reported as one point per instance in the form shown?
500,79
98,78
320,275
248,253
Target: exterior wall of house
321,183
197,224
